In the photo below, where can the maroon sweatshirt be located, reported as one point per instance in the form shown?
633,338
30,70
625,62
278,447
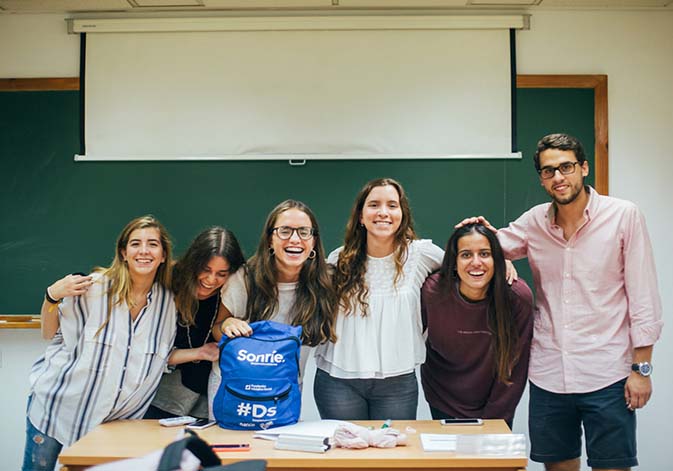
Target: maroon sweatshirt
458,375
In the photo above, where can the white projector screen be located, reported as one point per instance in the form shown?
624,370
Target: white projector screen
254,94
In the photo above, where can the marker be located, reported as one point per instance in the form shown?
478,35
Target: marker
387,423
222,447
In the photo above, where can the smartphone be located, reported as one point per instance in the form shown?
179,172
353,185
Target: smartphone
461,422
224,447
200,424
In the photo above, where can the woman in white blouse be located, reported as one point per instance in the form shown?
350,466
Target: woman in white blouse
369,372
109,345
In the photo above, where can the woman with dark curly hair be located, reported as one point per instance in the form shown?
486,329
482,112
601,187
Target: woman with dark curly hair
369,373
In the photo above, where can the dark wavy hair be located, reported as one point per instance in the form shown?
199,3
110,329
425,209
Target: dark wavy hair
500,318
315,303
213,242
349,279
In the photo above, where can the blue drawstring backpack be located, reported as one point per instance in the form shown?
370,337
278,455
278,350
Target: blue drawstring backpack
260,378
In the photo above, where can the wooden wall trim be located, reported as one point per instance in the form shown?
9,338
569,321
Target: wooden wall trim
39,84
599,83
20,321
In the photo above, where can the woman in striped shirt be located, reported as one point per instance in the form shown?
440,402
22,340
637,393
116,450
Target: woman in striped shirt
109,345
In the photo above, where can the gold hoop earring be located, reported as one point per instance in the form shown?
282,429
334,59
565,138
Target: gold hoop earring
311,254
272,252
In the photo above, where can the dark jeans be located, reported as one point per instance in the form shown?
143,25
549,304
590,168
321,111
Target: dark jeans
366,399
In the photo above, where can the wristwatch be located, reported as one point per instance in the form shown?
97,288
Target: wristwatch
643,368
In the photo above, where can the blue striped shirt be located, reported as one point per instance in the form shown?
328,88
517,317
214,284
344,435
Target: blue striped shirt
83,380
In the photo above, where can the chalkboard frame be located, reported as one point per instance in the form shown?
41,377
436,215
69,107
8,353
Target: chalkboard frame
596,82
599,83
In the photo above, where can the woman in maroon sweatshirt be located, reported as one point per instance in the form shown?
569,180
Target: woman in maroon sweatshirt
479,331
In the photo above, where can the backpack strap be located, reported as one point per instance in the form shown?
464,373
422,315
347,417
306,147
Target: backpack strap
172,456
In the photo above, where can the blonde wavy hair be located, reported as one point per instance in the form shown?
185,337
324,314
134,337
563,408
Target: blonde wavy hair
120,284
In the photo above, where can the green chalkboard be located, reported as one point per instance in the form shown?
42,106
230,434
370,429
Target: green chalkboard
61,216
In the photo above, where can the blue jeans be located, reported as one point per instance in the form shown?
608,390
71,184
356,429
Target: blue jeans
41,450
366,399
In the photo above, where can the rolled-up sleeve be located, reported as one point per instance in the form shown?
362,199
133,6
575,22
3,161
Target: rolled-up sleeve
640,279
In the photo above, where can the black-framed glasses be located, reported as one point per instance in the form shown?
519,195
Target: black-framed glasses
285,232
566,168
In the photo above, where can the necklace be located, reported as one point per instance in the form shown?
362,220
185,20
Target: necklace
212,323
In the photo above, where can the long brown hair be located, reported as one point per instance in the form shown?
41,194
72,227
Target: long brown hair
213,242
500,319
315,303
349,279
118,272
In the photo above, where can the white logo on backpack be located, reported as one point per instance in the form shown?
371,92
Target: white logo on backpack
257,410
263,359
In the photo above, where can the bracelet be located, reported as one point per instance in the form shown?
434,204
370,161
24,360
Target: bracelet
49,299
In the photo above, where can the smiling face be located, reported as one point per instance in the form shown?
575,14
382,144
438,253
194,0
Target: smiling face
144,252
212,277
381,214
564,189
474,264
291,254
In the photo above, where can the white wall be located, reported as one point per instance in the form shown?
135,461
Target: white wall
635,50
37,46
18,350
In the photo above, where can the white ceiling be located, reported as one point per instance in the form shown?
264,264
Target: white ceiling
132,6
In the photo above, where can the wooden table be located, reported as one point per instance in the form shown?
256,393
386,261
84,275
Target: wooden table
133,438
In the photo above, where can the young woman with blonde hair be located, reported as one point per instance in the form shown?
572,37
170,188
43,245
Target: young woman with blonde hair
109,345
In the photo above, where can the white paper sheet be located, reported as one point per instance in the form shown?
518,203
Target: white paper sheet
439,441
312,428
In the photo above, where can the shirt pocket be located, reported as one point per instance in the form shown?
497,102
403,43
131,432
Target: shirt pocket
150,358
96,350
600,270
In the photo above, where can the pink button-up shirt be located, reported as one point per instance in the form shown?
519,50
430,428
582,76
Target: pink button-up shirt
596,294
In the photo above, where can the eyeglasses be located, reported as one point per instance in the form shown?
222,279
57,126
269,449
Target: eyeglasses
566,168
285,232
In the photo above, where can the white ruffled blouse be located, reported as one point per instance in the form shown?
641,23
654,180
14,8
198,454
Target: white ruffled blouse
389,340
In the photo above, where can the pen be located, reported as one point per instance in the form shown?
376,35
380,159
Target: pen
387,423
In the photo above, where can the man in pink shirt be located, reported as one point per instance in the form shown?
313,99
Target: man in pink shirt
597,314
